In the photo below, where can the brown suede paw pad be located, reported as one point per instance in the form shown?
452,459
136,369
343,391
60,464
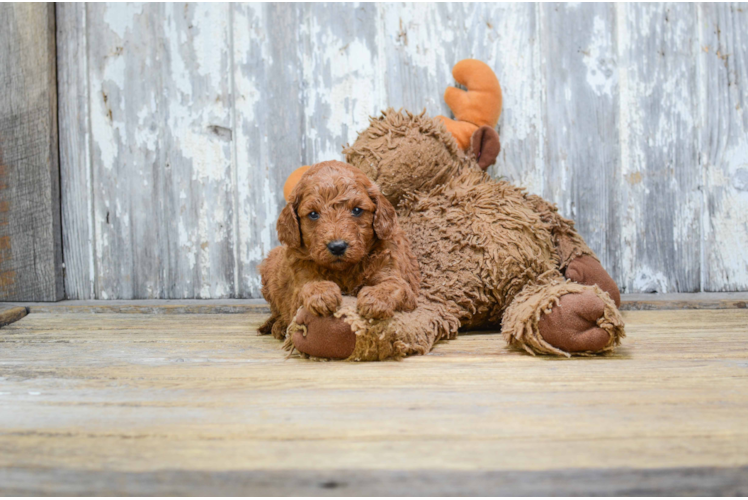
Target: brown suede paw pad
326,336
572,323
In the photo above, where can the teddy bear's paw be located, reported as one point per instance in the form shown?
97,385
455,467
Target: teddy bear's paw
572,324
325,336
586,270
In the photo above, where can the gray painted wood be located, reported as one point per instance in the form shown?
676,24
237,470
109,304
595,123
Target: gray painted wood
616,112
581,118
161,150
30,246
723,144
75,147
660,238
269,126
683,481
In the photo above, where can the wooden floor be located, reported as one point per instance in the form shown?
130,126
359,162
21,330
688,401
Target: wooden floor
95,403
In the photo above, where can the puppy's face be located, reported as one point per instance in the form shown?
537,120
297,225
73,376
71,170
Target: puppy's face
335,215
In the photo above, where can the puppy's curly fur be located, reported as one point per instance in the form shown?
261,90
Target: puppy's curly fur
335,202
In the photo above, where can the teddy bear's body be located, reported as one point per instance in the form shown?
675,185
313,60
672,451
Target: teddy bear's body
490,254
484,249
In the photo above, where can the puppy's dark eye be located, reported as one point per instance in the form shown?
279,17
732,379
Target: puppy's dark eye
313,215
357,211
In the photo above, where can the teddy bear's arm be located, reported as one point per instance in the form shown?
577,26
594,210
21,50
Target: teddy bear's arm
569,244
577,261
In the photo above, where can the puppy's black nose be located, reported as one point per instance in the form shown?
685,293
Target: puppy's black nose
337,247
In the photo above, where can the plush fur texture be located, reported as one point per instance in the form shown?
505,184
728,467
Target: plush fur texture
490,254
334,202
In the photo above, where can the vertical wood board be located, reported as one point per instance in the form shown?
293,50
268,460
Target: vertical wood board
581,118
30,246
723,144
660,185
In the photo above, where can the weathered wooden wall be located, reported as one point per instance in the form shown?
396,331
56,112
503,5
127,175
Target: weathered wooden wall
30,237
179,124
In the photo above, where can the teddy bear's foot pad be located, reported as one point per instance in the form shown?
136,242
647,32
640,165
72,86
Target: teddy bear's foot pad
572,325
325,336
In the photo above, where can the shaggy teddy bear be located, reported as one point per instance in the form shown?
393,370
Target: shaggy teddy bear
490,254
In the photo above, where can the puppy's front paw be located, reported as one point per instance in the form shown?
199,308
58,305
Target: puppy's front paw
321,298
375,303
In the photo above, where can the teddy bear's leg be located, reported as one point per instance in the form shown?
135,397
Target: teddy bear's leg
563,318
349,336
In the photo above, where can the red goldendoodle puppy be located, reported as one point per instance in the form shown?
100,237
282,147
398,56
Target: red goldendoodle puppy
340,236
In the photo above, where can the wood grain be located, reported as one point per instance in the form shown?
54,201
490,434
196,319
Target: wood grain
76,181
660,189
629,302
685,481
11,314
30,246
582,117
269,126
723,147
164,396
629,116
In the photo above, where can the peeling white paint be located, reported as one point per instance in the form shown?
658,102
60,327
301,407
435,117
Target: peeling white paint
600,70
175,133
120,17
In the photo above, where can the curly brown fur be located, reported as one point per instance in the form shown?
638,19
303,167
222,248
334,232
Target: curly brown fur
479,241
333,203
491,255
404,152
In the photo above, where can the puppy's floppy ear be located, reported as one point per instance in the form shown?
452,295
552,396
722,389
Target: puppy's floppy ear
288,229
385,217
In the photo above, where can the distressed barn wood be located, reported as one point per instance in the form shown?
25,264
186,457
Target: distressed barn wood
581,118
631,117
269,124
76,182
160,129
660,184
146,403
30,246
723,101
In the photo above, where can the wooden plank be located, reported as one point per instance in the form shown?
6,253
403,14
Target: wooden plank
269,138
11,314
630,302
661,179
723,143
343,75
76,182
161,143
30,249
663,301
581,118
111,396
373,483
199,306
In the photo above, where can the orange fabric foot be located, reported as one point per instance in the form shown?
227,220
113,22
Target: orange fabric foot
586,270
326,336
572,324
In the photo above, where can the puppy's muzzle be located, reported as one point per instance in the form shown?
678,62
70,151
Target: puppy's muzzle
337,247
